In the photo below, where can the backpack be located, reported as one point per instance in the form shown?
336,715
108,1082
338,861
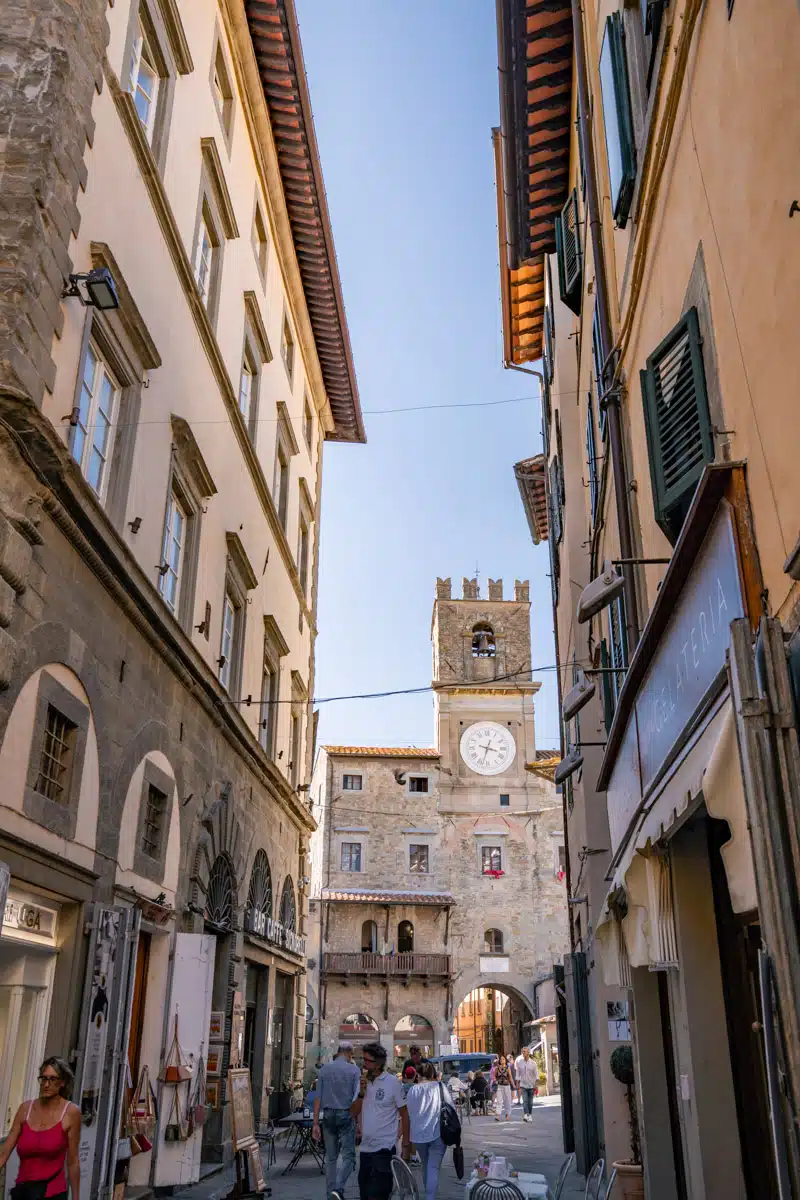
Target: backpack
449,1124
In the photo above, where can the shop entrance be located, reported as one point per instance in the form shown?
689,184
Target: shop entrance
219,920
281,1065
255,1031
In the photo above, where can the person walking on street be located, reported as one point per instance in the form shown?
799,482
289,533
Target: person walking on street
415,1059
527,1081
45,1133
504,1078
380,1102
424,1101
337,1087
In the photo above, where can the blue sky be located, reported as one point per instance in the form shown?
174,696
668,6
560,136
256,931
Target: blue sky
404,99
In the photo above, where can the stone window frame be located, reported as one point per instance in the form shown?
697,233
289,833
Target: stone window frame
256,352
153,868
491,841
419,845
260,245
285,449
125,345
353,775
299,704
418,837
308,421
275,650
215,210
240,578
288,346
190,481
349,840
419,775
162,25
60,818
352,833
305,524
227,110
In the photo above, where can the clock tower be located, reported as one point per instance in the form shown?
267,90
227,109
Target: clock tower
484,699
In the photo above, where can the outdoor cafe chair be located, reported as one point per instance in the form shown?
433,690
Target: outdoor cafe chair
562,1175
496,1189
594,1181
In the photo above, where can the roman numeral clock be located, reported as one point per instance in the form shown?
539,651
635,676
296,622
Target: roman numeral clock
488,748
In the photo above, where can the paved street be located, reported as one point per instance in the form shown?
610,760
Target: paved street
535,1147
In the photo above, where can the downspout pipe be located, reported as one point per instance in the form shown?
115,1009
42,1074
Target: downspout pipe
610,397
559,686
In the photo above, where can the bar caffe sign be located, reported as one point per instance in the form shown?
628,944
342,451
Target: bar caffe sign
262,926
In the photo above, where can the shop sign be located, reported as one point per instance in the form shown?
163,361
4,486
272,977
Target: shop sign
682,672
27,917
262,926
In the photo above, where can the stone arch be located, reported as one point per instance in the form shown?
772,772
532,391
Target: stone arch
24,718
260,894
287,914
512,984
359,1033
154,741
132,866
221,833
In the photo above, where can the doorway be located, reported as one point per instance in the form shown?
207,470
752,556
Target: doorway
255,1031
280,1100
137,1007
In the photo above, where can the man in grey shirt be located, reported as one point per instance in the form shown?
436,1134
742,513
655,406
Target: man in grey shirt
338,1085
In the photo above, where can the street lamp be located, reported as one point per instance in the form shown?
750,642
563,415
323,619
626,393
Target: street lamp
94,289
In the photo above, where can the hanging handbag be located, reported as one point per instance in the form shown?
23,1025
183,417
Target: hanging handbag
173,1130
175,1069
144,1106
197,1104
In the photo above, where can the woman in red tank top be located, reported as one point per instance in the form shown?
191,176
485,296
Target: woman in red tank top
45,1133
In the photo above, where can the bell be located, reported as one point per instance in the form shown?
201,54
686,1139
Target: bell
483,645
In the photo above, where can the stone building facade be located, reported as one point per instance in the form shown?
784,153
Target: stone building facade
161,444
431,878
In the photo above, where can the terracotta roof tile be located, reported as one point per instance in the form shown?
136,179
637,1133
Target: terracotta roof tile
383,751
367,896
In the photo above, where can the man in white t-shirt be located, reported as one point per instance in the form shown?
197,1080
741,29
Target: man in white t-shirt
381,1101
527,1081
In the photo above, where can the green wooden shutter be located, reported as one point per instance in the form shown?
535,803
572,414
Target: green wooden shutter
591,458
554,493
618,118
549,365
680,440
569,254
608,694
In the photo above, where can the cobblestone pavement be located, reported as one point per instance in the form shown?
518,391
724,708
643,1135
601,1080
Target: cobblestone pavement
530,1147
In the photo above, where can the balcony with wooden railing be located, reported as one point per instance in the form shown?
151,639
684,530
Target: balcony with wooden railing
388,966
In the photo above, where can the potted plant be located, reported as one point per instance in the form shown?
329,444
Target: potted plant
629,1171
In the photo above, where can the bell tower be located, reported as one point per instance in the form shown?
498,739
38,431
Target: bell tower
484,697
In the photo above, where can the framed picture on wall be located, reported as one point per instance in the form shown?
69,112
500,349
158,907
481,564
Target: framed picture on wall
212,1093
214,1063
216,1027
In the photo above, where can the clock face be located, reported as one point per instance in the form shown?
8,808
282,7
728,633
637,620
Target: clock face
488,748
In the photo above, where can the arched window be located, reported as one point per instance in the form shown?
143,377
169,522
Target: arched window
220,895
405,937
288,909
482,641
493,941
369,938
259,897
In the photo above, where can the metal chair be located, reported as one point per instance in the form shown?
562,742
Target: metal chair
266,1136
611,1181
594,1181
562,1175
496,1189
404,1182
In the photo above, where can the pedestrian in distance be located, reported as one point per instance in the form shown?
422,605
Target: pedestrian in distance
415,1059
504,1078
380,1102
337,1086
424,1101
45,1133
527,1081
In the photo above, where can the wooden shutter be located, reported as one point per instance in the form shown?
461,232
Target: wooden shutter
591,458
680,439
608,694
597,367
549,365
569,254
554,494
618,118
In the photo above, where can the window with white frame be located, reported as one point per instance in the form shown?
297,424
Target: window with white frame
275,649
173,552
222,90
230,618
205,255
144,79
93,431
247,386
302,555
351,783
418,858
287,347
294,749
351,856
491,860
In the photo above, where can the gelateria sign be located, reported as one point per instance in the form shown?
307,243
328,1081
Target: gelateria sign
685,668
262,926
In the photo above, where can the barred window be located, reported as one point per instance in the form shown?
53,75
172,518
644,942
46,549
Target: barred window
153,824
56,761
